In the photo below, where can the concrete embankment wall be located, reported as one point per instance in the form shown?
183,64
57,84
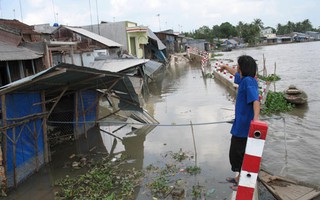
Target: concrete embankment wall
195,57
226,79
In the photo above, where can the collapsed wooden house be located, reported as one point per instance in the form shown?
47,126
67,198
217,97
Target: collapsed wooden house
33,107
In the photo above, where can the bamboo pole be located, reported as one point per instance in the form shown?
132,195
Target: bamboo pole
76,115
274,72
36,144
264,67
194,144
45,130
14,156
84,116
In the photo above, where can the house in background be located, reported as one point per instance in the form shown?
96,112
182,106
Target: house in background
168,39
268,36
26,32
79,46
18,57
300,37
137,41
199,44
230,43
45,31
313,35
155,49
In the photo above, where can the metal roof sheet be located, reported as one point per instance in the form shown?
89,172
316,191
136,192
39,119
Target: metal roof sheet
153,36
99,38
9,52
55,79
151,67
117,65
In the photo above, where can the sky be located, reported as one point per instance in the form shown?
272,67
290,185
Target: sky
158,15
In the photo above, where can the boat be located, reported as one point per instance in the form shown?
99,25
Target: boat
226,49
285,189
295,96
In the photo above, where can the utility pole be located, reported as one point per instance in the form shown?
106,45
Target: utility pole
21,11
159,21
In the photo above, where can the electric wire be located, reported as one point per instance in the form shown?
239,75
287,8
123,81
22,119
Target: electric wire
156,124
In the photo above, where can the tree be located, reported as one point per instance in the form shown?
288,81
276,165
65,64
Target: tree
258,23
202,33
290,27
216,31
227,30
250,33
239,28
306,25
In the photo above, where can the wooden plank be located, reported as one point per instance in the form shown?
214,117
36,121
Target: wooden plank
285,189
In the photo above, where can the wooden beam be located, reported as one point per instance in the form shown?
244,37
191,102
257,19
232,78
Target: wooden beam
76,115
14,157
58,99
84,116
30,82
24,120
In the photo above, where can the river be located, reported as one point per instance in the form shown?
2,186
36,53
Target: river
292,145
192,111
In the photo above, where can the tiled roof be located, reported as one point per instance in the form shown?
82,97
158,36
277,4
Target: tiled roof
10,52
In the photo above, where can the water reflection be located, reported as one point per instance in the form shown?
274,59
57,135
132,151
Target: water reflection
126,140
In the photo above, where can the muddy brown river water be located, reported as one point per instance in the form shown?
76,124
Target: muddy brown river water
184,96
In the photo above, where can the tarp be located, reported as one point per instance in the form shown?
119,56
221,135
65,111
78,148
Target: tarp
28,137
87,110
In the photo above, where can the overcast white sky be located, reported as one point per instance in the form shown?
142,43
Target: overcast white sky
180,15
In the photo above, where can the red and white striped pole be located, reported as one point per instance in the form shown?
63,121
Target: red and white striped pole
252,159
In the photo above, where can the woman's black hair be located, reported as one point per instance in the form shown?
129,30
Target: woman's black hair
247,65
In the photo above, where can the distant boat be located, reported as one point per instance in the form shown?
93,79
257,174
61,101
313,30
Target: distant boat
295,96
227,49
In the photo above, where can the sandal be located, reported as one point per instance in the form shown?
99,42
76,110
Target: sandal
234,187
231,180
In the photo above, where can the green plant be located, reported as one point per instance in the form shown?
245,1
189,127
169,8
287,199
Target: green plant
197,191
105,180
159,186
269,78
193,170
179,156
276,103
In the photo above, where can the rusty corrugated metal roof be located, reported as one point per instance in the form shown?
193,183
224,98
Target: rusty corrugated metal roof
9,52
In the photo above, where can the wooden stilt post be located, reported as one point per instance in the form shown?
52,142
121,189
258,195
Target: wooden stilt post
45,130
